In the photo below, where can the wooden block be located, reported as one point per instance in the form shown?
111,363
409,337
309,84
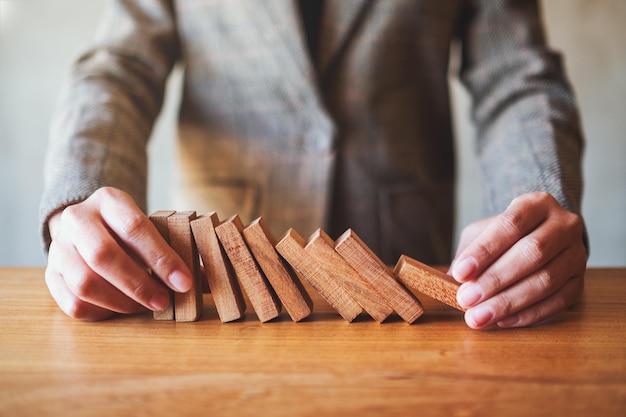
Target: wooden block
322,248
263,299
187,306
291,247
427,280
374,271
284,281
159,219
224,287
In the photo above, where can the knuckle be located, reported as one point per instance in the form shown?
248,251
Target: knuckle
75,218
484,250
133,225
495,281
544,197
71,215
87,312
545,282
513,221
101,255
110,194
106,193
561,303
77,309
534,250
163,263
506,305
140,291
574,223
83,287
533,197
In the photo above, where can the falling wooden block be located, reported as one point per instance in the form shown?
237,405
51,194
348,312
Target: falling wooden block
284,281
427,280
260,294
159,219
322,248
187,306
291,247
224,288
374,271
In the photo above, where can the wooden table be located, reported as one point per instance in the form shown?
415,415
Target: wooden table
53,365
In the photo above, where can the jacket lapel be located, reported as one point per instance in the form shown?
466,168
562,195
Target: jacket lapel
280,24
340,22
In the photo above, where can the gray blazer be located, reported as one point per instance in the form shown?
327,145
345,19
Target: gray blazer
361,139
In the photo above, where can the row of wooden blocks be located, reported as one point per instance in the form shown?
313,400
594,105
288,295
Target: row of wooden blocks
346,273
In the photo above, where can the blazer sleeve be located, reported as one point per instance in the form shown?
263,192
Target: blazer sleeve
107,108
529,134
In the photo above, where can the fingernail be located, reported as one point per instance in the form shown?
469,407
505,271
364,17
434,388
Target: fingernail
509,321
463,270
468,295
180,281
479,317
160,301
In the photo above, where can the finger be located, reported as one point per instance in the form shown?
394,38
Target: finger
468,234
523,215
531,290
68,302
104,256
136,231
527,255
564,298
89,287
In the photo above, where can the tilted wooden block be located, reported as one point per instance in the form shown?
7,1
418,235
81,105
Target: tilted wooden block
291,247
374,271
159,219
187,306
284,281
224,287
427,280
263,299
322,248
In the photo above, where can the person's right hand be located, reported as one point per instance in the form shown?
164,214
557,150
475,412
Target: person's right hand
101,255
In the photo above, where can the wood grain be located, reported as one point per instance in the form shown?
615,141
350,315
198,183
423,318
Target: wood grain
283,279
259,292
322,248
374,271
51,365
225,290
187,306
159,219
427,280
291,247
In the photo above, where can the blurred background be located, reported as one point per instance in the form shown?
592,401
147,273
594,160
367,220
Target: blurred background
40,38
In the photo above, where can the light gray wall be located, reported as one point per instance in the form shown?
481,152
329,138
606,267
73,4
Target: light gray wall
39,38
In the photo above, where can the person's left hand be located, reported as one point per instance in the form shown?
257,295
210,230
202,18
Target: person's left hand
522,266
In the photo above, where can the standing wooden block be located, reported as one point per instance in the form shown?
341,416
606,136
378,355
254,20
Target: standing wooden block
224,287
374,271
291,247
261,295
159,219
322,248
427,280
187,306
285,282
